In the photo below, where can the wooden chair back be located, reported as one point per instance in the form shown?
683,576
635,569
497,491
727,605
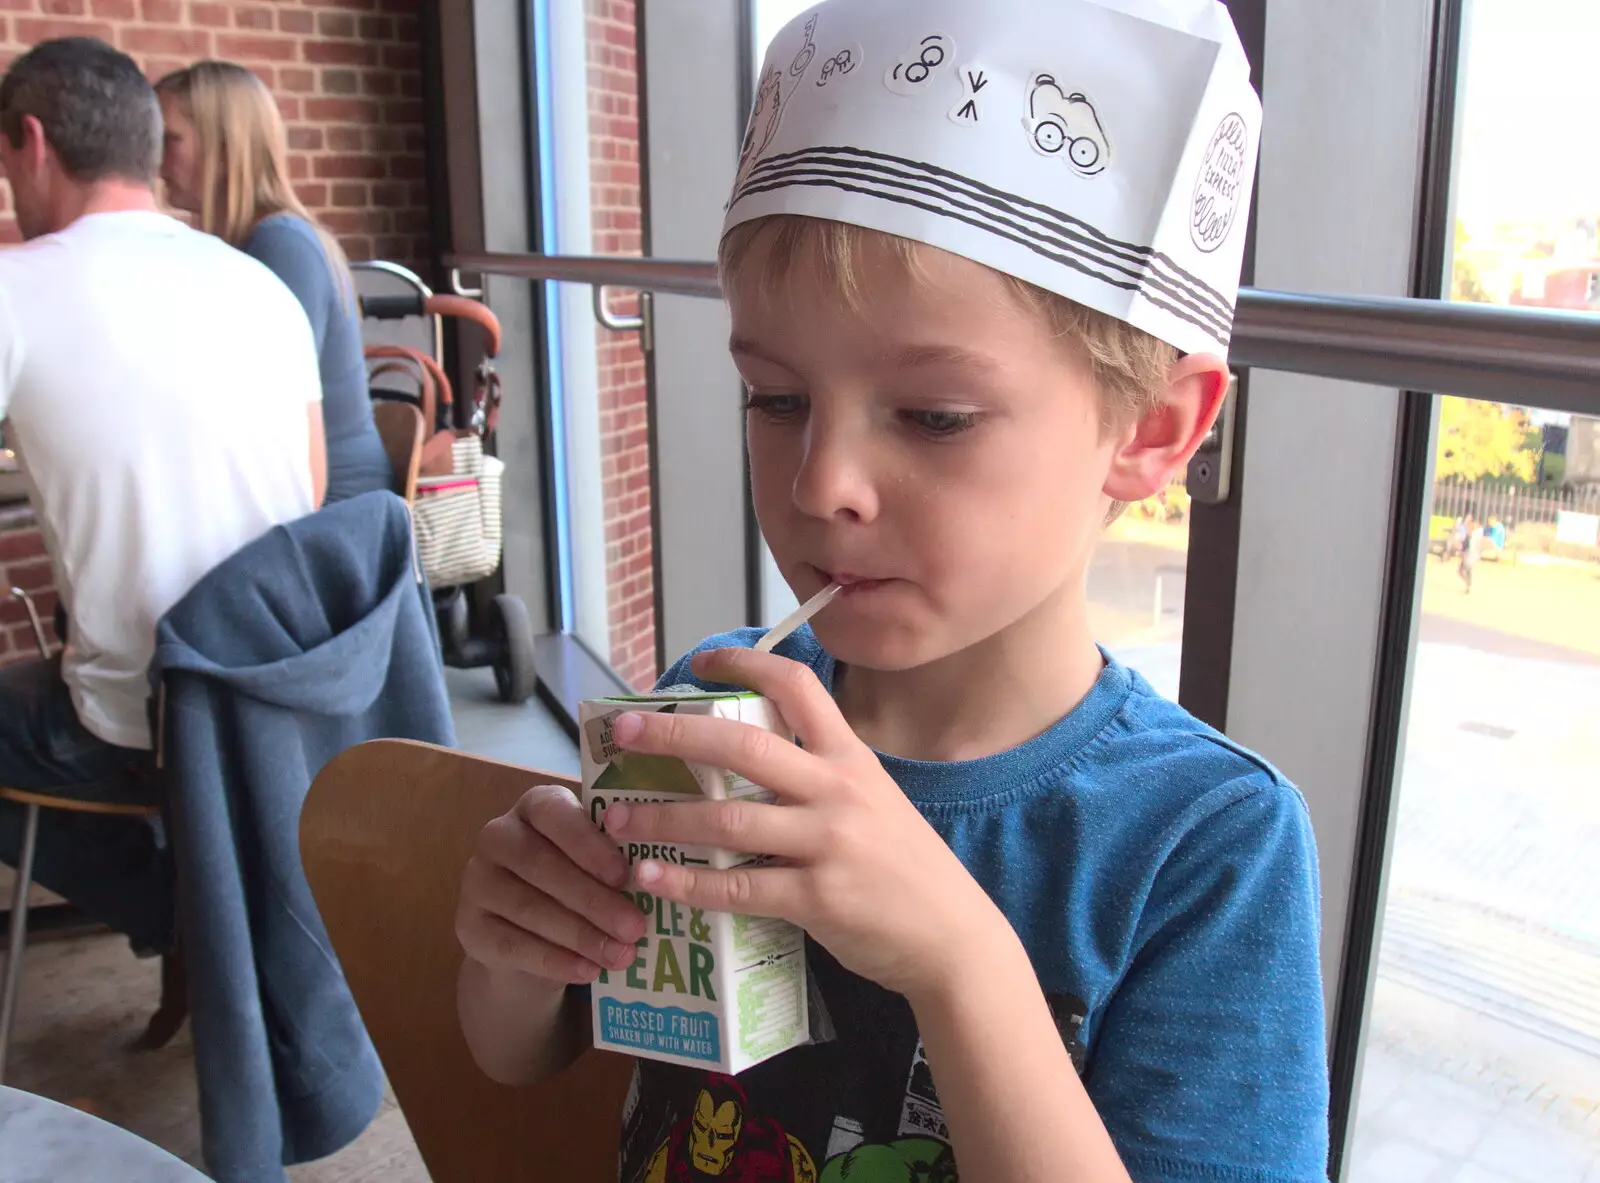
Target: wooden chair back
387,829
401,429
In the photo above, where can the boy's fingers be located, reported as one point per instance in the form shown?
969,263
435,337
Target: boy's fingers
539,868
491,890
555,813
495,941
758,755
730,825
749,891
792,687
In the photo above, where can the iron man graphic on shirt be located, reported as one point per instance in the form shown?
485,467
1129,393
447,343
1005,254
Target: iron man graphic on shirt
720,1140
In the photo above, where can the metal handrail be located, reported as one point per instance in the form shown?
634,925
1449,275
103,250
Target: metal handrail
611,320
1531,356
675,277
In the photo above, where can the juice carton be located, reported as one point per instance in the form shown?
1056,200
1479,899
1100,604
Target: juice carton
706,989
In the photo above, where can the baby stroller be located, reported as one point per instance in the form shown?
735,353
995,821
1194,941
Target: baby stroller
452,484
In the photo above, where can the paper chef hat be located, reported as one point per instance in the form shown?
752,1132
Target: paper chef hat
1101,149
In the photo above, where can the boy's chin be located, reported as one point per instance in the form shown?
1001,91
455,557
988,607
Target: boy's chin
869,645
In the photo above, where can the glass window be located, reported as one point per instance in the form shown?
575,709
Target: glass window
1482,1059
1136,586
591,206
768,19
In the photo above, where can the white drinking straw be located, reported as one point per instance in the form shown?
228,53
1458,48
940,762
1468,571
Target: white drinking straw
798,617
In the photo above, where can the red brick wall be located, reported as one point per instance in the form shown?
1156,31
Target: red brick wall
346,74
348,79
624,435
23,564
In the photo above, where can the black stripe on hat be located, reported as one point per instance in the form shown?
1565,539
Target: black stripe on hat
1062,239
1051,220
1112,264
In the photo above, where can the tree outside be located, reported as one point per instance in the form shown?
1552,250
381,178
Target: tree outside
1480,440
1466,284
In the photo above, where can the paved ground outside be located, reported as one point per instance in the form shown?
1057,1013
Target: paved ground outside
1482,1061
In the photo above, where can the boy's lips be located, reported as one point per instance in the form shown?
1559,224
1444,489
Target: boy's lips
852,583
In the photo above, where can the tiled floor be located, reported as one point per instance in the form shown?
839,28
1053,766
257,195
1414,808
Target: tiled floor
85,1000
528,735
83,1003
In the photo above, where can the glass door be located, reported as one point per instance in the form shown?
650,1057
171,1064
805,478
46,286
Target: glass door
1482,1047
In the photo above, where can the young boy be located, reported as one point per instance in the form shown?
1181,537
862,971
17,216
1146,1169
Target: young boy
981,261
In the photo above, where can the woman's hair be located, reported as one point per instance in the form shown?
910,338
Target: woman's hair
244,155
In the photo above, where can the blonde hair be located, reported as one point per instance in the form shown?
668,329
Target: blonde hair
1129,367
244,155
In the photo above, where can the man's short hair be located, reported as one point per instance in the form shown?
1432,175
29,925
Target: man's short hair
97,109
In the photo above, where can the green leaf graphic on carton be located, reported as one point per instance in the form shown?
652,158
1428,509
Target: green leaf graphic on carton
654,774
635,770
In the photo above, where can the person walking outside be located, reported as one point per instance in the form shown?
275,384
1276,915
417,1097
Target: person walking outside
1471,551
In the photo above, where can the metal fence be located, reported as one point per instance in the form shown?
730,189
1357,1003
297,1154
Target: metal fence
1513,505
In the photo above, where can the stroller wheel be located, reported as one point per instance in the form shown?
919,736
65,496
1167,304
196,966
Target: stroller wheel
454,623
514,673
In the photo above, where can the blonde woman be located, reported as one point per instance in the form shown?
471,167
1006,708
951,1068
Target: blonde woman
225,160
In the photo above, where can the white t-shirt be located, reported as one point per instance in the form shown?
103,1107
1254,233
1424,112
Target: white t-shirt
156,384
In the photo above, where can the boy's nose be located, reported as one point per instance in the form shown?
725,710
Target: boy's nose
834,481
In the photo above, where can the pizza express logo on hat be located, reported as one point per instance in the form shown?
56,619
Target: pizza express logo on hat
1221,184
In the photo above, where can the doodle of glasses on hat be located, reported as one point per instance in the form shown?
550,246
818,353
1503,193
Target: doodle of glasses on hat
981,263
1065,122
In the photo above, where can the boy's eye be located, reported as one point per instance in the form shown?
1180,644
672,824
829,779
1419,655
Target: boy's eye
777,407
941,423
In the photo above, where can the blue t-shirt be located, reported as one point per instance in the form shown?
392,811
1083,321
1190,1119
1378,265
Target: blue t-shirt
1164,882
291,248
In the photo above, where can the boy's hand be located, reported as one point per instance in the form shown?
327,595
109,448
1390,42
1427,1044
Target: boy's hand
861,870
542,894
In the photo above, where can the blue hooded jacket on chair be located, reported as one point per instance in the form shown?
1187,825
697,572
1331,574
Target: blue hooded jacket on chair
311,639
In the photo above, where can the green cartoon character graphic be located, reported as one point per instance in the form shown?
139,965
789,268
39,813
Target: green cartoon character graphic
910,1160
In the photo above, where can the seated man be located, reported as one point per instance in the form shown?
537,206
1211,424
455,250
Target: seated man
162,391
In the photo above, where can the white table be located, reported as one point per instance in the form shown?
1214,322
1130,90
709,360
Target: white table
43,1142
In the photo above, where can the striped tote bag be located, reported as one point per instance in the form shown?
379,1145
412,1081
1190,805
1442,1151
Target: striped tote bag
457,517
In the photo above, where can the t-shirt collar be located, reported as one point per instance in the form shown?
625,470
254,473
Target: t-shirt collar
967,782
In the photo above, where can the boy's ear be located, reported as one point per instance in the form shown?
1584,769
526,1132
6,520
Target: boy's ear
1149,451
